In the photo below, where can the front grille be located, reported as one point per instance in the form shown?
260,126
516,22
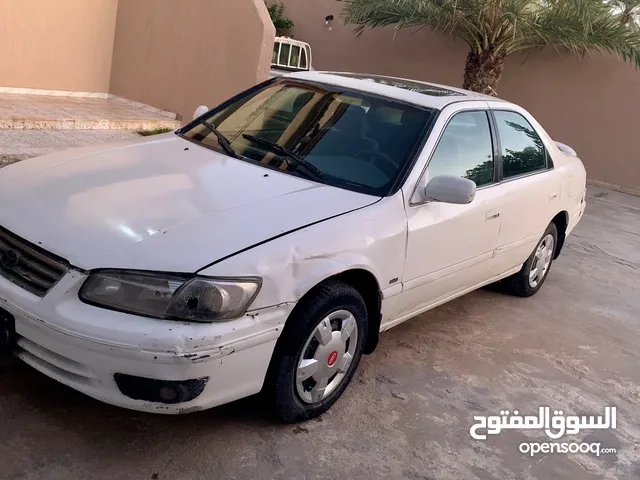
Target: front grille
28,266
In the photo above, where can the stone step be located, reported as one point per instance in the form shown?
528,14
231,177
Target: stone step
136,125
38,112
18,145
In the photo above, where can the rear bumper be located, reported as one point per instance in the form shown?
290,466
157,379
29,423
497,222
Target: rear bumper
84,347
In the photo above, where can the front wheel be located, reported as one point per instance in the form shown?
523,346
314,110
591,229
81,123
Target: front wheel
535,270
318,352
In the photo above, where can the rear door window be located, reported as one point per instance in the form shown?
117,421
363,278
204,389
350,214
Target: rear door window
522,149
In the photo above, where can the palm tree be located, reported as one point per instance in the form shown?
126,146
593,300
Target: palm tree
494,29
628,10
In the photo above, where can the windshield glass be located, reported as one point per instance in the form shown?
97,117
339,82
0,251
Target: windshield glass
351,139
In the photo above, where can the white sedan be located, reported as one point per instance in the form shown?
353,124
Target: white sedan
265,245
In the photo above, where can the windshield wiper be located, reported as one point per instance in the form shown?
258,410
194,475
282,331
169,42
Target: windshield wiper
312,171
222,140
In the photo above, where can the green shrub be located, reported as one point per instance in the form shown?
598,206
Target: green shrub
280,21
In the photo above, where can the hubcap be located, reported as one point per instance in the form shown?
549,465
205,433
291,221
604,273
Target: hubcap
326,356
541,261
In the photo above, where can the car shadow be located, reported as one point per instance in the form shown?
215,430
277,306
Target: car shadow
34,398
27,392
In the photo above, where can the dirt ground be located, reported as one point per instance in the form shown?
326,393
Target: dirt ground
575,346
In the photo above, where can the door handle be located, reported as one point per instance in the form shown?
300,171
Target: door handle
553,195
493,215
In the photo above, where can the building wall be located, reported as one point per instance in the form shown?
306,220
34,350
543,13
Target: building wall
177,55
587,103
57,45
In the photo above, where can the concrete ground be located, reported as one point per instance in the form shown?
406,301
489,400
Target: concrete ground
575,346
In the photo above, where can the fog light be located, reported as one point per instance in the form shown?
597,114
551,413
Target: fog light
168,394
161,391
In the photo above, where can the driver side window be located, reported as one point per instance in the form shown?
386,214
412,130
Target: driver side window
465,149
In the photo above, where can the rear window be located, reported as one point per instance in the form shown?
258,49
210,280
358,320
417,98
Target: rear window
357,141
285,48
290,55
295,56
303,59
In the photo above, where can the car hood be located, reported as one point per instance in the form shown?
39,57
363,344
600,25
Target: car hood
161,204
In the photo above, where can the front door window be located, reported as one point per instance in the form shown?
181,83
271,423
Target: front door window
465,149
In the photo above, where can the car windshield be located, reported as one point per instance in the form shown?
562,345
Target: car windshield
344,138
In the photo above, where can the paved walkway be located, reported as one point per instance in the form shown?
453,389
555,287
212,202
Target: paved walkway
22,144
44,112
32,125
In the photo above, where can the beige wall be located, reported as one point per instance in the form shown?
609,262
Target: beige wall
177,55
57,44
590,104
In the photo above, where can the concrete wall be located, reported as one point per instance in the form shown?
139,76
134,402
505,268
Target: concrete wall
57,45
589,104
177,55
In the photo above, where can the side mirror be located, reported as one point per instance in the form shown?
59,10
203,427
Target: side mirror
201,110
450,189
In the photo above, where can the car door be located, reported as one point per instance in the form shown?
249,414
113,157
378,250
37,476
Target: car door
450,247
530,187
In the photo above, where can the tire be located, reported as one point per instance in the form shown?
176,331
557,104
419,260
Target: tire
519,284
335,305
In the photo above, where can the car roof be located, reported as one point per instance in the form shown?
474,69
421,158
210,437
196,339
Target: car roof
426,94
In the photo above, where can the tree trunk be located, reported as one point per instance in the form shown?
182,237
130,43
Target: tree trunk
482,72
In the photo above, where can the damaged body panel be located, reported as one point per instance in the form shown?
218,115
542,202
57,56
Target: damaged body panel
136,206
84,347
295,263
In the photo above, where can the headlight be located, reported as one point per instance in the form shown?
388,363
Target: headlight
198,299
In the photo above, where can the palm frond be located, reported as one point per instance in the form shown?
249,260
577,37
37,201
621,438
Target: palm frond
628,11
451,17
507,26
580,26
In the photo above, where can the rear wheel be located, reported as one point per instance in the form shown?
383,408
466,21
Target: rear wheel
536,269
318,352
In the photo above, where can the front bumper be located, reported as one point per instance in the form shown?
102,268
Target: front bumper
84,346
